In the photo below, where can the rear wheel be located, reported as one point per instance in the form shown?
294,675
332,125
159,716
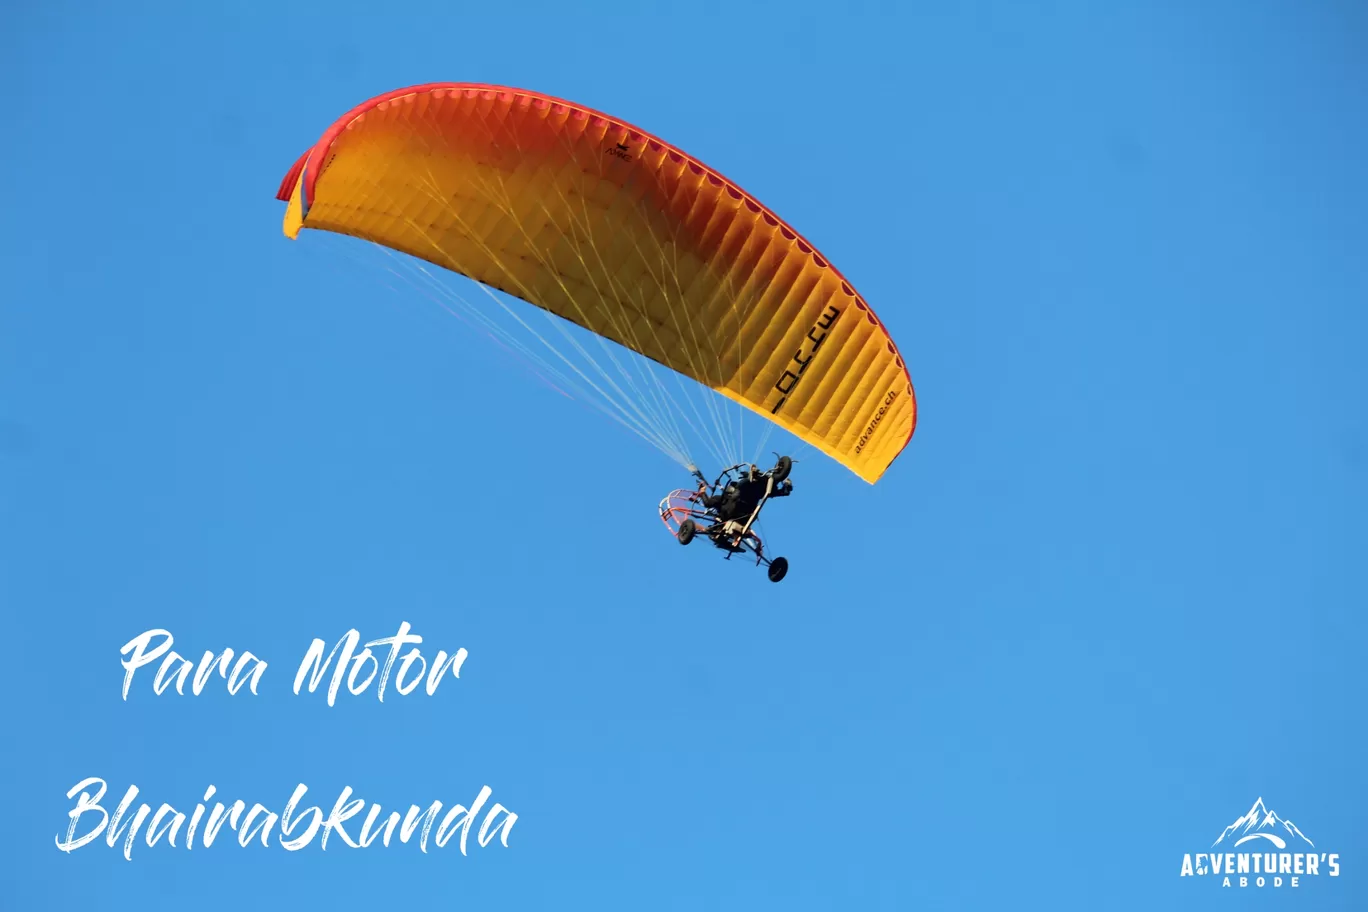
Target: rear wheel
686,531
778,568
782,469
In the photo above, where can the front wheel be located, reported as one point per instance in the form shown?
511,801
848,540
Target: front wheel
686,531
782,469
777,569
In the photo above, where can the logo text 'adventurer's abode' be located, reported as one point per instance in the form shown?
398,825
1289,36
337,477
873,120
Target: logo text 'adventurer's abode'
1273,852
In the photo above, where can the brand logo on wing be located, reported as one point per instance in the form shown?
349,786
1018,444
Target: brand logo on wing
878,417
1275,852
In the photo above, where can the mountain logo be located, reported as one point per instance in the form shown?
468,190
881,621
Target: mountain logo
1261,823
1261,849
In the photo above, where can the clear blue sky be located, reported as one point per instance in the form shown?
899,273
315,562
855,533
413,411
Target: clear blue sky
1111,594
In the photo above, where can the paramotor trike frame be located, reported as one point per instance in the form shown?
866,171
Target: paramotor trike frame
681,505
683,512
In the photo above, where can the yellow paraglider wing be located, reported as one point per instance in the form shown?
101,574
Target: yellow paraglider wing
623,234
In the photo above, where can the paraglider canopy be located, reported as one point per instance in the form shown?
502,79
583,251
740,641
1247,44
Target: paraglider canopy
611,228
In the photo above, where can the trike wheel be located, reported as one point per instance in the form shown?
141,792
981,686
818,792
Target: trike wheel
686,531
782,469
777,569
